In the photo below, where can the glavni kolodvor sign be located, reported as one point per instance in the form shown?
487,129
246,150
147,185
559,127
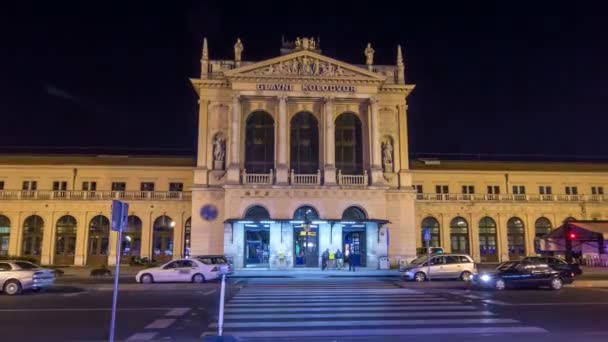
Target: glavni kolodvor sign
306,87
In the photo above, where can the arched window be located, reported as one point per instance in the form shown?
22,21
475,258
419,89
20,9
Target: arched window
516,238
542,227
487,240
5,234
257,213
99,240
433,224
353,214
65,240
163,238
187,237
131,238
259,143
304,158
349,144
306,213
33,228
459,235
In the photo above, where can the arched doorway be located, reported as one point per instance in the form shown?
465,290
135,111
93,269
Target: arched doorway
459,235
354,235
5,234
257,237
259,143
163,239
187,237
65,240
304,157
487,240
99,241
542,227
433,225
33,229
516,238
349,144
131,239
306,237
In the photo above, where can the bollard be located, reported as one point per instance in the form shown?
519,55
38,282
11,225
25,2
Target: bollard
220,319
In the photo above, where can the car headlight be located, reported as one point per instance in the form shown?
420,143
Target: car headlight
485,277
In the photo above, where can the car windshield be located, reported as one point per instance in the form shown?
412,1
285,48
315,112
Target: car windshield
24,265
212,260
420,260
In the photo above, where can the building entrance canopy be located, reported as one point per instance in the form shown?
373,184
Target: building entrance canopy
584,235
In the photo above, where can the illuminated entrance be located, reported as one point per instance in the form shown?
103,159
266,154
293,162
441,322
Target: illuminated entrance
306,237
354,234
257,237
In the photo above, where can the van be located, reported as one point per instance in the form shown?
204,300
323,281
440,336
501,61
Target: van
442,266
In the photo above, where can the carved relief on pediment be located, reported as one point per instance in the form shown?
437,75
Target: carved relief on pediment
304,66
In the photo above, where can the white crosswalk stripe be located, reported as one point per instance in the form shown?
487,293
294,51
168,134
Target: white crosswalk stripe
281,309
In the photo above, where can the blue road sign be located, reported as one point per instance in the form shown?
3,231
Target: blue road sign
209,212
120,212
426,234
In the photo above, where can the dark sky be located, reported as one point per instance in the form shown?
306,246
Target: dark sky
517,78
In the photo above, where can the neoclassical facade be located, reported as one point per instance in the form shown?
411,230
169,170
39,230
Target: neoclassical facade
296,155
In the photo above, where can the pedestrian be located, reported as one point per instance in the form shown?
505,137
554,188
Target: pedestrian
353,259
339,259
324,258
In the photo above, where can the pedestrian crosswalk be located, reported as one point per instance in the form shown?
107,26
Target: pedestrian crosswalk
349,308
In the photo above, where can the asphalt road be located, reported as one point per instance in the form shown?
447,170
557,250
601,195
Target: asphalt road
308,309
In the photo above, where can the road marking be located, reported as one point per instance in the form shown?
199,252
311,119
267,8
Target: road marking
557,304
496,302
142,336
359,314
331,323
74,294
307,304
80,309
161,323
385,332
336,300
178,312
253,309
209,292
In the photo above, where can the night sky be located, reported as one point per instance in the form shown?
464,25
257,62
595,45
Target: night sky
112,77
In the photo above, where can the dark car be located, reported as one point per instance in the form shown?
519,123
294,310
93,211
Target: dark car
517,274
556,264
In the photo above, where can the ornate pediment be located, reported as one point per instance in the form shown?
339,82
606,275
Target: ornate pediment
304,64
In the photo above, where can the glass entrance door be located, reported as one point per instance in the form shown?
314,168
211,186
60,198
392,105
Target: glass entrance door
257,247
306,246
355,247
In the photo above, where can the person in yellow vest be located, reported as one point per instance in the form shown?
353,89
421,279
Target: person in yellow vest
332,260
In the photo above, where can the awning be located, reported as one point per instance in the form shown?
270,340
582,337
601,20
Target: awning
333,221
583,230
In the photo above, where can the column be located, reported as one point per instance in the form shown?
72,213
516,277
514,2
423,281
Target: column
81,238
405,178
47,238
203,117
234,171
178,235
330,140
146,234
282,171
377,178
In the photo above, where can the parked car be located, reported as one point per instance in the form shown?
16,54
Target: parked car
443,266
515,274
17,276
216,260
179,270
556,263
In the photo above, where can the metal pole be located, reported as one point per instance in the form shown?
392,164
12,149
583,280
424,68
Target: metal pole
220,320
116,273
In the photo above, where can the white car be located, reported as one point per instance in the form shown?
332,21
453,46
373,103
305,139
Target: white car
16,276
179,270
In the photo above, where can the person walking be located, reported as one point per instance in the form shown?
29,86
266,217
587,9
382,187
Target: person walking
324,258
352,261
339,259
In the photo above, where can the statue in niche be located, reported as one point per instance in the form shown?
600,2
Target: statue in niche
219,152
387,155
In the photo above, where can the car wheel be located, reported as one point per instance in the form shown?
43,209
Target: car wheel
556,284
420,277
198,278
500,285
12,287
466,276
146,279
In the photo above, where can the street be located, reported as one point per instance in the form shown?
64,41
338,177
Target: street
307,309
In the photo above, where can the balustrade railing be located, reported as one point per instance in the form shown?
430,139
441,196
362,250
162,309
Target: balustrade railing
258,178
305,179
508,197
93,195
352,180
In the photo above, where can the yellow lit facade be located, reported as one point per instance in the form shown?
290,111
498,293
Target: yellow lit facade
296,154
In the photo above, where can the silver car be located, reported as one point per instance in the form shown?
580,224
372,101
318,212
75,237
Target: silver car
445,266
16,276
